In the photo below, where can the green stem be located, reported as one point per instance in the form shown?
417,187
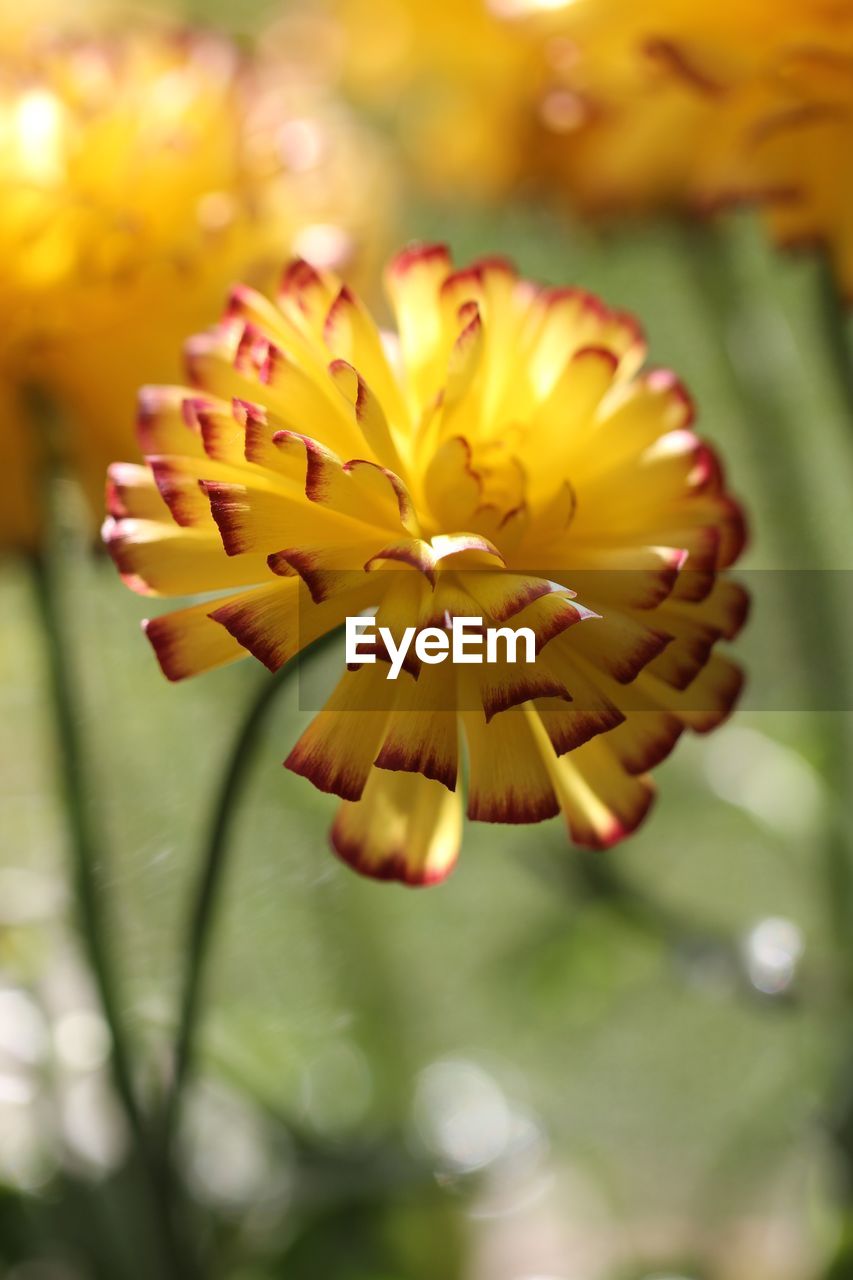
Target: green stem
836,329
87,855
821,626
208,893
84,839
87,847
820,631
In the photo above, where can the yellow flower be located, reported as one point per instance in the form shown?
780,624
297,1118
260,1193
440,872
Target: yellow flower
692,106
784,137
139,176
633,146
501,457
621,107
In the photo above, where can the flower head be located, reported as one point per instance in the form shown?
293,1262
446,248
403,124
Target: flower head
623,114
500,456
783,134
691,106
618,107
140,174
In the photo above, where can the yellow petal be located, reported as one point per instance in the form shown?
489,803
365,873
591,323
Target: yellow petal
422,734
405,827
508,779
187,642
352,337
337,750
601,803
277,621
131,491
157,558
413,281
162,424
369,414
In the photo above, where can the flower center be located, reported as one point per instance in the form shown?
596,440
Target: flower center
475,487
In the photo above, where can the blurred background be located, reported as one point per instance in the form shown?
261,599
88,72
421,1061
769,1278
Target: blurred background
554,1066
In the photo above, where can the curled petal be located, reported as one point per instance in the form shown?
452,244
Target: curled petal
187,642
621,643
359,489
405,827
275,622
551,616
501,595
569,727
368,413
601,803
413,552
337,750
472,548
157,558
354,341
645,739
632,577
222,432
689,650
323,566
707,701
413,282
305,295
305,402
210,362
254,311
262,520
726,608
163,424
451,485
501,688
593,706
508,780
422,735
131,491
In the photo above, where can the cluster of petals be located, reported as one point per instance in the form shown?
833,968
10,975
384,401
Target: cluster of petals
501,454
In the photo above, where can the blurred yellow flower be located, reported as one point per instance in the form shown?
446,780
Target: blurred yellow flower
507,461
647,107
786,136
621,108
139,176
694,106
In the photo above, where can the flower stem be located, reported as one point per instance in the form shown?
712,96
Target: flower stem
836,329
820,628
84,838
208,892
87,855
87,849
820,631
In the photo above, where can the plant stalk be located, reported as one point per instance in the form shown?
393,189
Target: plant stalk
208,893
86,844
